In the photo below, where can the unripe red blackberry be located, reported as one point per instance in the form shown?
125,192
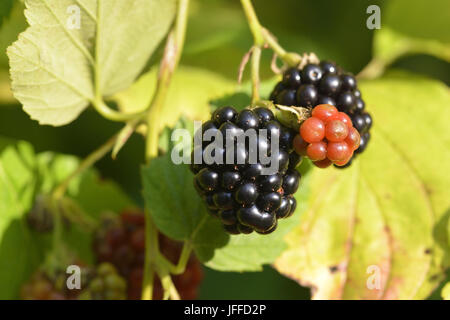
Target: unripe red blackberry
238,190
327,137
325,83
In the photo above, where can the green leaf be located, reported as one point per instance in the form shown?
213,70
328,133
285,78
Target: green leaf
180,213
413,27
190,94
385,218
170,196
58,66
23,174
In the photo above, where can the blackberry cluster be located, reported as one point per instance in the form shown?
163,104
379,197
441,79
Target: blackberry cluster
45,286
40,218
238,193
107,284
41,287
325,83
121,242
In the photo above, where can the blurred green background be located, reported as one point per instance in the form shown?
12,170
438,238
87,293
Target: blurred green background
217,39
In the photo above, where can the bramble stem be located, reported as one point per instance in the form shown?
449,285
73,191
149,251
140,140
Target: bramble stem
372,70
262,36
92,158
180,267
57,228
273,43
256,61
253,22
113,115
169,63
57,196
170,291
151,252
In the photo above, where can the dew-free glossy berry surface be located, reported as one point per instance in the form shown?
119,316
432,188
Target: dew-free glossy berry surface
317,151
336,130
241,194
312,130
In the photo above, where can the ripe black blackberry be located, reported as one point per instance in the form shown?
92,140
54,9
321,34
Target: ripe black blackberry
239,193
325,83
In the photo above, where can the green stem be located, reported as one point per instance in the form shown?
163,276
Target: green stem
57,228
102,108
99,153
151,253
262,36
253,22
180,267
373,69
169,63
273,43
256,60
170,291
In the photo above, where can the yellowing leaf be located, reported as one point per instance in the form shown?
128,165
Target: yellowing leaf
378,230
75,50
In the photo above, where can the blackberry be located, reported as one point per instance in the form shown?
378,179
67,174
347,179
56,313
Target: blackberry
41,287
292,78
307,95
40,218
52,286
121,242
325,83
287,97
244,196
107,284
329,137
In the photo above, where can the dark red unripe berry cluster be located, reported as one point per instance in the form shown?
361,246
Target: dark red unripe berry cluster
327,137
45,286
122,243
